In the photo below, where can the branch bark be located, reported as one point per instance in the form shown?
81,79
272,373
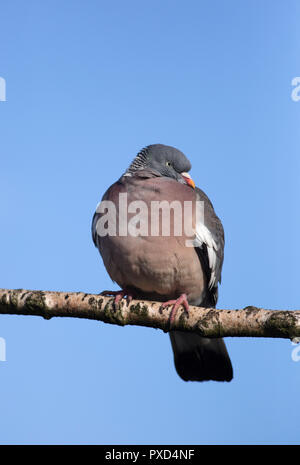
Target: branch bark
209,322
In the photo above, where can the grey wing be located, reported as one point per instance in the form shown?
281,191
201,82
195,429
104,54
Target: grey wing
98,214
94,224
209,245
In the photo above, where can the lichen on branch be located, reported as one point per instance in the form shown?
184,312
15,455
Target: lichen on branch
209,322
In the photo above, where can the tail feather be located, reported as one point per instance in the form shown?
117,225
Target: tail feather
199,358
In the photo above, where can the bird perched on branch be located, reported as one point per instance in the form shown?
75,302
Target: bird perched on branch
176,269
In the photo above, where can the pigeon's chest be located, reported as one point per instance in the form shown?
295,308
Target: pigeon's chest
141,252
161,266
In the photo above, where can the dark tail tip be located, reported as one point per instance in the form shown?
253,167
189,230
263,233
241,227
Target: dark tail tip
200,359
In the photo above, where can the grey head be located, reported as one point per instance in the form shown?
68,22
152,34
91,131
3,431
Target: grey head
163,159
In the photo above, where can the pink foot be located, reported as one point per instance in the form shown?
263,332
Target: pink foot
182,300
119,295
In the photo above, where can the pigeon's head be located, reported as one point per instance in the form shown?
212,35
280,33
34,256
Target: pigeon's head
164,160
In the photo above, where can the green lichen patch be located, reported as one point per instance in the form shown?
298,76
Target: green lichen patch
13,299
183,320
113,314
35,304
3,301
140,310
281,324
95,305
209,325
251,311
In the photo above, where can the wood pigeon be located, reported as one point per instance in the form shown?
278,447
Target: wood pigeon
164,267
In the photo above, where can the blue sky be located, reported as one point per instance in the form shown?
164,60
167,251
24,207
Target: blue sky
88,85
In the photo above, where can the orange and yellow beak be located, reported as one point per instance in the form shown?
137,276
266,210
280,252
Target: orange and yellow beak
188,180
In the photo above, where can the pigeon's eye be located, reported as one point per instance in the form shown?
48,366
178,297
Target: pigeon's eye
168,163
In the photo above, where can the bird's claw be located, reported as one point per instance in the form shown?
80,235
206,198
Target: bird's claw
182,300
119,295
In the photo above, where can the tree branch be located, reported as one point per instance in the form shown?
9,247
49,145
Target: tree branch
209,322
